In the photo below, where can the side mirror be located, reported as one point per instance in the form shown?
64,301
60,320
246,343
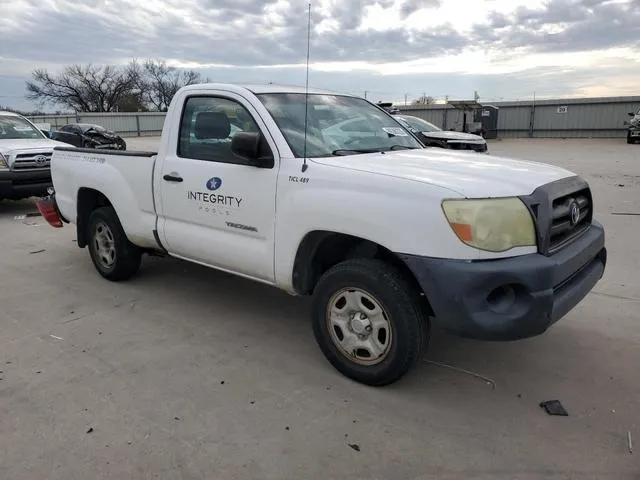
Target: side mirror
46,133
249,145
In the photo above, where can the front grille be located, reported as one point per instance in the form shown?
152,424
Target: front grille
563,210
563,227
32,161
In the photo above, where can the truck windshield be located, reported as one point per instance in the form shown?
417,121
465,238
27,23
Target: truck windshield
336,125
15,128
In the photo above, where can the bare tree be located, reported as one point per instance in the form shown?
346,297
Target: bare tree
88,88
159,82
425,100
85,88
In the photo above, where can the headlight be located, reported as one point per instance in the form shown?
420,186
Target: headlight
3,162
495,225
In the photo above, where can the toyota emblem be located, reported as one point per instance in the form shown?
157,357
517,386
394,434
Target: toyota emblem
574,212
40,159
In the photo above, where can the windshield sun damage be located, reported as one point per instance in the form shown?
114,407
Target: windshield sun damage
16,128
336,125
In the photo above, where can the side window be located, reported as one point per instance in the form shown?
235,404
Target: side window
207,126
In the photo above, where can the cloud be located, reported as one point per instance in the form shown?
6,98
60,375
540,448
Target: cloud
420,41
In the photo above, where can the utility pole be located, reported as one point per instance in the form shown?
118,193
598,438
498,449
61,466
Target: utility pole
365,94
405,99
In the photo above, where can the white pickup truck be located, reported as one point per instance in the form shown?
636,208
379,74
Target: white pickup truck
25,153
386,235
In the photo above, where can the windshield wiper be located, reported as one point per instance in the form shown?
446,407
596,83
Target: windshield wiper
350,151
401,147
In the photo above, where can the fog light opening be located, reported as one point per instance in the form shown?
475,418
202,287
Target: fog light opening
502,299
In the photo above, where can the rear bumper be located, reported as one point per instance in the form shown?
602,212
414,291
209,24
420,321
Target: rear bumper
512,298
23,184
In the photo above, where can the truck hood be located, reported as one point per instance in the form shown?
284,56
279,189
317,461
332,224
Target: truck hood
464,173
454,136
8,146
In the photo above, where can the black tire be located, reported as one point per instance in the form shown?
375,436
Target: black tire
127,257
399,300
629,140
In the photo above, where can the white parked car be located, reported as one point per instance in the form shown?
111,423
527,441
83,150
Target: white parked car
384,234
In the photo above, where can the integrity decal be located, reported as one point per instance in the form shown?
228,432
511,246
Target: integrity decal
214,202
218,199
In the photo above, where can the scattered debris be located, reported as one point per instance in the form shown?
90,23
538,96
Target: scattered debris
176,418
462,370
630,445
252,402
346,435
355,421
554,407
221,382
39,371
99,333
129,443
287,428
519,395
37,251
90,430
354,446
619,185
57,338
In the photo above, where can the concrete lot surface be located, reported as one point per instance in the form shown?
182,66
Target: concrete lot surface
187,373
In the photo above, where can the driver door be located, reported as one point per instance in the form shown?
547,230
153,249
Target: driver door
214,208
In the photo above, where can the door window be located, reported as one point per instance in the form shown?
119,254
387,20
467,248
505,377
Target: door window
207,127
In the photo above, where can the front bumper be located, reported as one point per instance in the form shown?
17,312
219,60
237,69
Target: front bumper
511,298
23,184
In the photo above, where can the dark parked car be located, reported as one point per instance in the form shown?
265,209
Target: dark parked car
633,132
86,135
432,136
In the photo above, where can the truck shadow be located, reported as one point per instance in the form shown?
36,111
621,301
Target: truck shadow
565,359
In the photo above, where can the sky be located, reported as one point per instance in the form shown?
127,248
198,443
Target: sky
386,49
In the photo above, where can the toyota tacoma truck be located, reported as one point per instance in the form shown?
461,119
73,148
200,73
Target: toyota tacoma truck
25,154
385,235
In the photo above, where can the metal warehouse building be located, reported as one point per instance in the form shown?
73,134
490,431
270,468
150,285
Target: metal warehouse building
577,118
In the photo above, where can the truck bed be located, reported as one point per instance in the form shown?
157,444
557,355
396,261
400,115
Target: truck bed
124,177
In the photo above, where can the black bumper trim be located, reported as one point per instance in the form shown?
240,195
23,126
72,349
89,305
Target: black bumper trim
511,298
22,184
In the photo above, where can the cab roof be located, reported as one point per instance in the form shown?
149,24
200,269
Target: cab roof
258,89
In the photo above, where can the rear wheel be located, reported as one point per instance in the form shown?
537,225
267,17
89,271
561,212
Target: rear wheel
368,321
113,255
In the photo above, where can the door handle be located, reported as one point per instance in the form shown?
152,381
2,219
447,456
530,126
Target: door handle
172,178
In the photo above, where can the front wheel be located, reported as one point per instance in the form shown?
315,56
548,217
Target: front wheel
368,321
113,255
